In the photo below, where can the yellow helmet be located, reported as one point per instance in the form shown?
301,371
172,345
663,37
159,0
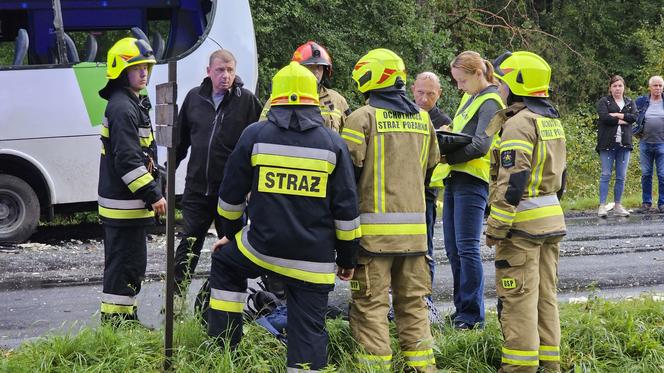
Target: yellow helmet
294,85
526,73
380,68
128,52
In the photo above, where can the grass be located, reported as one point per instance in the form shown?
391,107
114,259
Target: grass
597,336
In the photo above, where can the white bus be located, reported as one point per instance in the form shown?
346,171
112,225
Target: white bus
51,70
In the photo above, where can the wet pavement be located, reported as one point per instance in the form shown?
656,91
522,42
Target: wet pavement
57,282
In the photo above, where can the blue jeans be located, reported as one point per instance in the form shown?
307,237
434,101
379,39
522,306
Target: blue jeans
431,220
619,156
652,153
464,202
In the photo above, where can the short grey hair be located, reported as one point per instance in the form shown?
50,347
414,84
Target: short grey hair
428,75
655,77
223,54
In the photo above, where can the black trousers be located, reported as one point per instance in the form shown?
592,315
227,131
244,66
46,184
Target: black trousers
198,211
125,259
307,304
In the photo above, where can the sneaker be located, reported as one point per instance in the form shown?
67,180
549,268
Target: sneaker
645,208
601,212
619,210
463,326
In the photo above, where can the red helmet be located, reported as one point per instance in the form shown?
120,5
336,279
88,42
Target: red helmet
311,53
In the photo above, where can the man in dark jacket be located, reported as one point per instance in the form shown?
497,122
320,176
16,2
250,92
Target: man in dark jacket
129,193
650,124
303,210
211,121
426,91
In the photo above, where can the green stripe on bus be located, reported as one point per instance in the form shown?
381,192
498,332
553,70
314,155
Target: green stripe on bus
91,77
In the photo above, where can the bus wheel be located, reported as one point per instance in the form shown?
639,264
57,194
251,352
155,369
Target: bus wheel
19,209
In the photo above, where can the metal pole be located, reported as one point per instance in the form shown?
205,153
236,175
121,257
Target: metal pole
59,32
170,239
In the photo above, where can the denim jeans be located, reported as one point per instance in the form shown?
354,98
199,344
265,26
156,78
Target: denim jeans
652,153
431,221
620,157
464,202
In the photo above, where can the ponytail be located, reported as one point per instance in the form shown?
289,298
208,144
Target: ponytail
488,73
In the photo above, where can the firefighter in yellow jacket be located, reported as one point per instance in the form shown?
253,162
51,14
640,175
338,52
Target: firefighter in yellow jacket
394,150
333,106
526,222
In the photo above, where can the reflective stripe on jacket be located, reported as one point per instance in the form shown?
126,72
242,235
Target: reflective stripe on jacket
128,177
394,151
527,171
478,167
303,204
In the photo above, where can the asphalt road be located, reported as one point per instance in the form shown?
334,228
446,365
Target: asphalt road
614,257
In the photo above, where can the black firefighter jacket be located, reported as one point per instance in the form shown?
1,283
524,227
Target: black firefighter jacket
128,178
212,132
303,204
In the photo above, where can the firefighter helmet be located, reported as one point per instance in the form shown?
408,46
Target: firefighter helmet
380,68
312,53
128,52
526,73
294,85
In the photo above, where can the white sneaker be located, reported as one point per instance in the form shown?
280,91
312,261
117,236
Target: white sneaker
619,210
601,212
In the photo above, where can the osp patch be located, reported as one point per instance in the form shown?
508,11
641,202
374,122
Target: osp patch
507,158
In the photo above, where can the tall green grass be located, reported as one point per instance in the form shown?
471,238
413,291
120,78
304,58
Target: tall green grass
597,336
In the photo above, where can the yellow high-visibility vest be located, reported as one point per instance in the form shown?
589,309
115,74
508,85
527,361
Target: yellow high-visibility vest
478,167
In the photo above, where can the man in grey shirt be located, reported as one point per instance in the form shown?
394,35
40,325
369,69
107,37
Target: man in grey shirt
651,116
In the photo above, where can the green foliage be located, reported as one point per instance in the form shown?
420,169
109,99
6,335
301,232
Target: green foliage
583,163
597,336
348,29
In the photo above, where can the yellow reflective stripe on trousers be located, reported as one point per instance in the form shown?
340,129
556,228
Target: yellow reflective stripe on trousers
502,215
125,214
314,272
520,357
230,211
227,301
104,132
549,353
103,149
379,174
538,213
140,182
419,358
300,370
521,145
116,308
381,360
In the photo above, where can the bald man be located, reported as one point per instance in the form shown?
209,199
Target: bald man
426,91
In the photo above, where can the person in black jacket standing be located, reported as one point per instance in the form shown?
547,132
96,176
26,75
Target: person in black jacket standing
614,142
211,121
129,193
426,90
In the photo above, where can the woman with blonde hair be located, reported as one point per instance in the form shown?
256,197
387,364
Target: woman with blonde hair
614,142
466,178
